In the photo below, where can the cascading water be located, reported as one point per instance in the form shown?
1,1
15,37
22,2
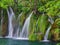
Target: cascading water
24,33
50,20
13,24
14,28
17,26
47,32
10,18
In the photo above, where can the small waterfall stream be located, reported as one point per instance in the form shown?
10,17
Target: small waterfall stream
10,18
47,32
50,20
17,26
24,33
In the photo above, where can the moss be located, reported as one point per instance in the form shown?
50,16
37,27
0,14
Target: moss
33,37
58,44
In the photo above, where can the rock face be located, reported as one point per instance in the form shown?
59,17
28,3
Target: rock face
4,29
4,24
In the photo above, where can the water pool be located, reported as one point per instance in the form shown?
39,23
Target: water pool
7,41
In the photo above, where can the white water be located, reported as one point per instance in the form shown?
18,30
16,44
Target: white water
17,32
17,26
18,38
14,28
25,32
50,20
10,18
13,24
47,32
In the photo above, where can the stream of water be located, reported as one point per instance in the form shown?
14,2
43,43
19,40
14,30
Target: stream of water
14,28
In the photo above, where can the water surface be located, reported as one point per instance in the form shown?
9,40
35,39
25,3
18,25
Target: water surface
6,41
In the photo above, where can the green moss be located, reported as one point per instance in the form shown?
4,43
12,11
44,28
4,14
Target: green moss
58,44
33,37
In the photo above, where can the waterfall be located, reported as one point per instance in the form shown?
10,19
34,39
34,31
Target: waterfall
24,33
14,27
50,20
47,32
10,18
13,24
17,26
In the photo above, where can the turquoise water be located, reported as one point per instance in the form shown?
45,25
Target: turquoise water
5,41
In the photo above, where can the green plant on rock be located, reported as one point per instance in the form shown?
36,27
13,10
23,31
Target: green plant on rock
58,21
32,31
33,37
42,23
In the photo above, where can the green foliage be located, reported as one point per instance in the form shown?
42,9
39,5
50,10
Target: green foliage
33,37
6,3
58,43
58,21
42,23
25,9
24,5
38,27
56,30
51,8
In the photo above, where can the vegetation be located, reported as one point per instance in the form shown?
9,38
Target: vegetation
43,10
58,43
